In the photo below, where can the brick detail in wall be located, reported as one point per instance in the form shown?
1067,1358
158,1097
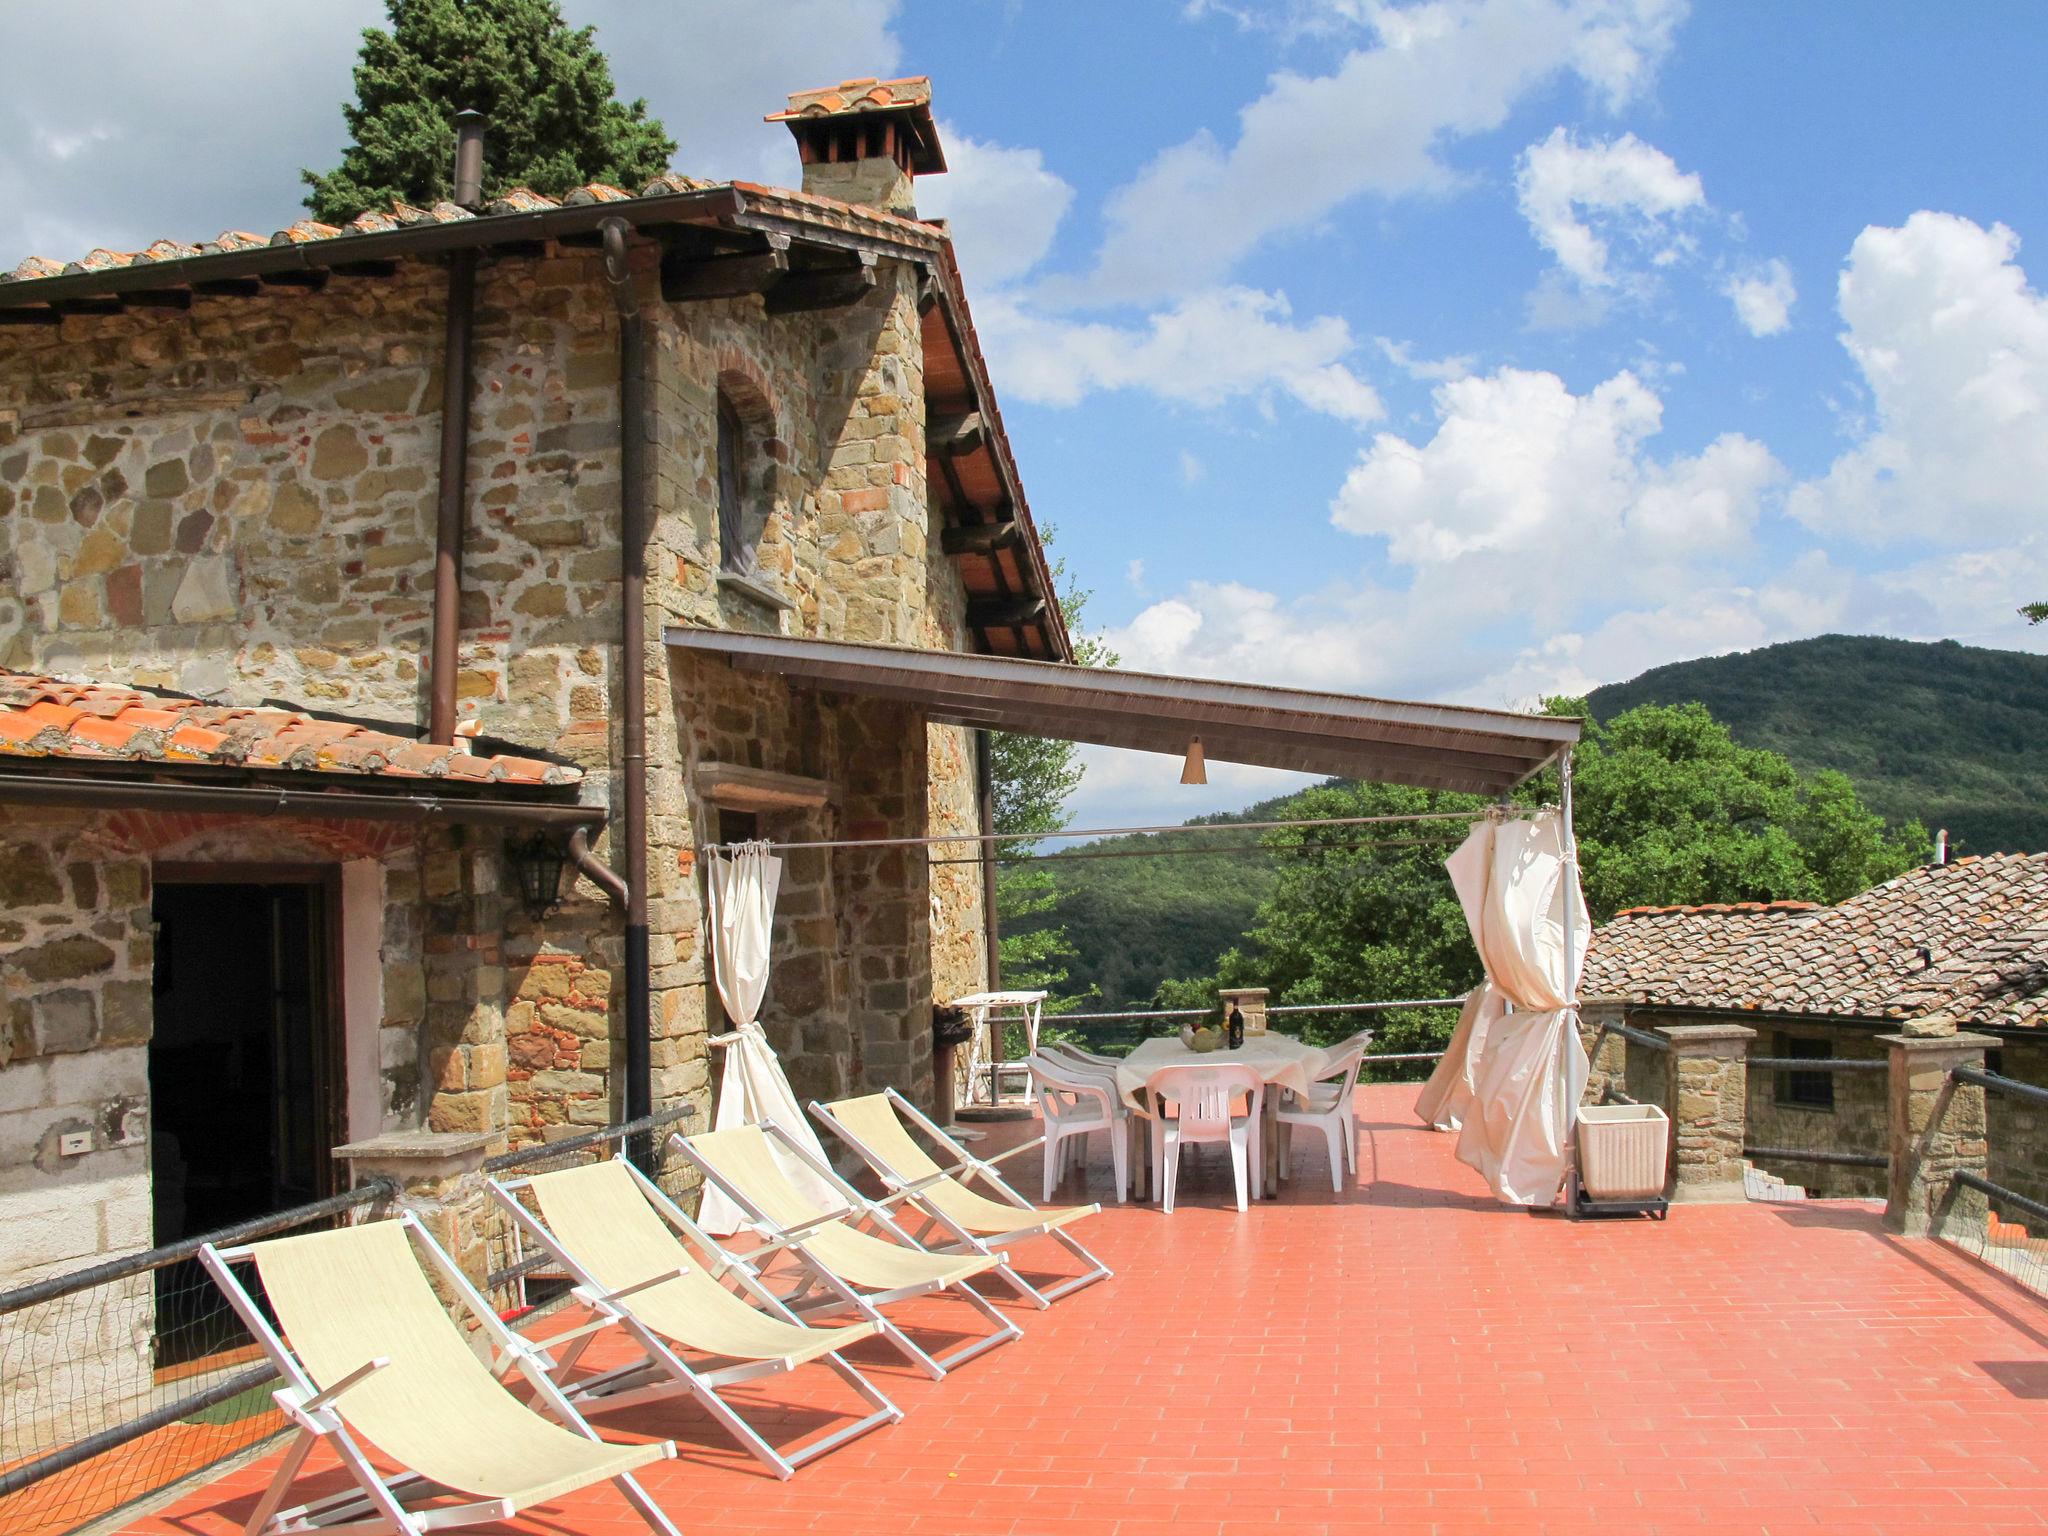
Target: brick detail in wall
152,831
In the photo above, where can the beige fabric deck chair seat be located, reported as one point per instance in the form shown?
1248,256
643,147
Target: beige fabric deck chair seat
875,1127
367,1349
646,1268
848,1269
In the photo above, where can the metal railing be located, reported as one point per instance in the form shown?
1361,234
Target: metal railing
2004,1227
1810,1129
1608,1089
641,1138
108,1355
1272,1010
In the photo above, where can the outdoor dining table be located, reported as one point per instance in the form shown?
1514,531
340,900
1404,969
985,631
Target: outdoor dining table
1280,1060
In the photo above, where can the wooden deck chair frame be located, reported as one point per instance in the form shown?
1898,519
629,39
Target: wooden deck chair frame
378,1502
912,1187
839,1295
663,1371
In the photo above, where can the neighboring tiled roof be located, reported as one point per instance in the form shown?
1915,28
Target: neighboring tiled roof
41,717
1643,952
1968,939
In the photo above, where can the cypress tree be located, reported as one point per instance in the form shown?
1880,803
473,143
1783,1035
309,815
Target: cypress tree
555,122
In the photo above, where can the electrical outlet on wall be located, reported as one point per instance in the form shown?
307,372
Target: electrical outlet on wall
74,1143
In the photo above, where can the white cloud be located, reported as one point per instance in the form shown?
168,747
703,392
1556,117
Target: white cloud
1402,355
1212,348
1952,346
1192,469
1579,198
1003,206
710,70
1143,789
144,149
1541,481
1436,72
1763,299
1134,574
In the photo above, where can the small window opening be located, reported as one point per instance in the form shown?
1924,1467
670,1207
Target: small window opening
1805,1090
735,551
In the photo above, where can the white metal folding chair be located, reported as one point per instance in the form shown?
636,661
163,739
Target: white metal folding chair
365,1347
646,1269
846,1268
962,1220
1075,1102
1204,1100
1327,1108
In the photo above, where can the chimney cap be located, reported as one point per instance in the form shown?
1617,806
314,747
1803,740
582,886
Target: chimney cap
907,101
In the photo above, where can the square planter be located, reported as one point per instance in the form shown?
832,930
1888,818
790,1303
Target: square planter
1623,1149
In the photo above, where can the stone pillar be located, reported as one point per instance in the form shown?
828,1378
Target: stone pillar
1708,1099
1936,1125
439,1178
1252,1002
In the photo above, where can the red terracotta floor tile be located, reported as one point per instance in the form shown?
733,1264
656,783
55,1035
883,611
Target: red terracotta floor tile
1408,1357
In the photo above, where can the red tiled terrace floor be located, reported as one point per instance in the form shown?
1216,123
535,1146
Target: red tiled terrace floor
1410,1357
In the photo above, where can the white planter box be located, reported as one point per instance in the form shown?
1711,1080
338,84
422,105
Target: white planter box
1622,1151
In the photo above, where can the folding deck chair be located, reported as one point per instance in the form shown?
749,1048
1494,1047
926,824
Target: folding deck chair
645,1267
874,1127
856,1271
367,1349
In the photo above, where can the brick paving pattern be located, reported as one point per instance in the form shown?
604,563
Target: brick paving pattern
1410,1357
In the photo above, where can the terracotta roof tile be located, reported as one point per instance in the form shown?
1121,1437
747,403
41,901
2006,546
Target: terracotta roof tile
44,717
1968,939
864,95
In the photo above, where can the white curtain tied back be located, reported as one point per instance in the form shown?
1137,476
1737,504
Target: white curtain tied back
1511,1081
752,1089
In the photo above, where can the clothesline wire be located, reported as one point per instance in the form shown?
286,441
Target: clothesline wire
1167,853
1072,833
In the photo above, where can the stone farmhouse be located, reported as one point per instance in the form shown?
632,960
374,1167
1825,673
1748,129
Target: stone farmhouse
334,570
1955,949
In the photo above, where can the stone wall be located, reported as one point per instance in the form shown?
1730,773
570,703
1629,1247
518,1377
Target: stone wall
1858,1122
238,501
76,947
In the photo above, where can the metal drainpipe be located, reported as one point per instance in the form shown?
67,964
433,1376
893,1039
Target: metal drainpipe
991,922
456,373
633,661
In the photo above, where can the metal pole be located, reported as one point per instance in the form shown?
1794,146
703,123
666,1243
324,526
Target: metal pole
1072,833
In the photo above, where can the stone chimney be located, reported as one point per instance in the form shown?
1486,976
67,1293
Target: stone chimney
863,141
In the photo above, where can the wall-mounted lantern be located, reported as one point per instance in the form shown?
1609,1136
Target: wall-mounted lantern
537,865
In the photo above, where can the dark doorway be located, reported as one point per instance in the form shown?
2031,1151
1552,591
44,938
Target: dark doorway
243,1064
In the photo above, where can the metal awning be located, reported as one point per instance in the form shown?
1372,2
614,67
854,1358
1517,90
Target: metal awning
1432,746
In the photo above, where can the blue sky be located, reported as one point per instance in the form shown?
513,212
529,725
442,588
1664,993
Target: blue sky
1465,349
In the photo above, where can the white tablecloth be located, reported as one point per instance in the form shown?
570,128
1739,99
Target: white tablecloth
1280,1059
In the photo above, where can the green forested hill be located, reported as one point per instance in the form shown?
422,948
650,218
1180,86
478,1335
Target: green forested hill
1951,734
1136,920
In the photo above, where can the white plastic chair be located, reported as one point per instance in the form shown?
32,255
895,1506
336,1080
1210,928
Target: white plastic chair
1327,1108
1205,1103
1093,1060
1075,1102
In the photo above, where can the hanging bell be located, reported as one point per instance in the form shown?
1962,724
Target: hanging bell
1195,769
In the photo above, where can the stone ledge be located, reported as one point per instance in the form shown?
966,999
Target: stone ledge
756,592
416,1146
1960,1044
740,788
1695,1034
